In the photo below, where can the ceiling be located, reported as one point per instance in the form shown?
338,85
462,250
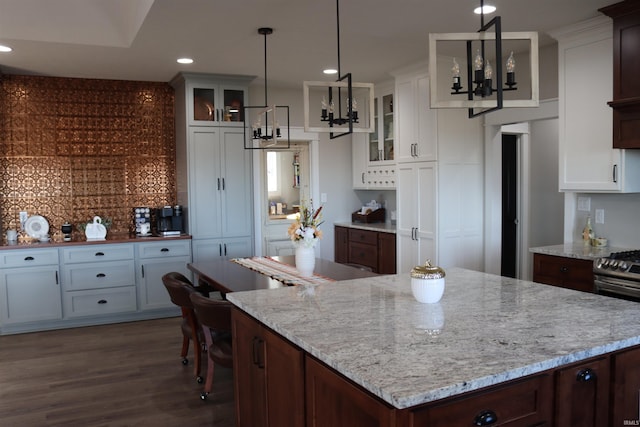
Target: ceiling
141,39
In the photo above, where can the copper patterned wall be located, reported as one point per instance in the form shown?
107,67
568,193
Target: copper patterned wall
74,148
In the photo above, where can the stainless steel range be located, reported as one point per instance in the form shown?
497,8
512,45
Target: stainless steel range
618,275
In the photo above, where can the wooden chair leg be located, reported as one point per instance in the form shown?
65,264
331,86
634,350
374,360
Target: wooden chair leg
185,347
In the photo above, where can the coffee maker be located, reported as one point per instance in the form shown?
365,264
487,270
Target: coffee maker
169,220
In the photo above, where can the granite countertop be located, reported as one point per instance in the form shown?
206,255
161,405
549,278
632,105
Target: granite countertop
577,250
26,243
486,330
374,226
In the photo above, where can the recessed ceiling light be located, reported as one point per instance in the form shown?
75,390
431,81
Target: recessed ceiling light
5,48
185,61
330,71
487,8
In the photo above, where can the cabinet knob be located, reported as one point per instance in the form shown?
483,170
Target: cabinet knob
485,418
564,269
586,375
102,301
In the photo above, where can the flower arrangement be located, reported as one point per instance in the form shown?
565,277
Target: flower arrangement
305,229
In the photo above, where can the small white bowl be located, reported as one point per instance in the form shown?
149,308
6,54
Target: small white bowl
44,239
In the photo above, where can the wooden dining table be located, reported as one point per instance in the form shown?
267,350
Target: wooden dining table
226,276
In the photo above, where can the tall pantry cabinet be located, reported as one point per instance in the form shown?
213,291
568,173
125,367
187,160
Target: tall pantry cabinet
213,170
440,179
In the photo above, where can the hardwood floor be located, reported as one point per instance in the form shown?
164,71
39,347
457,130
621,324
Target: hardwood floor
128,374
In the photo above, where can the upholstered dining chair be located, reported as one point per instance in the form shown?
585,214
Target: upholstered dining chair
180,288
214,316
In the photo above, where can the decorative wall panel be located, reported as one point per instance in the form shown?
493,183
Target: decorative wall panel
71,149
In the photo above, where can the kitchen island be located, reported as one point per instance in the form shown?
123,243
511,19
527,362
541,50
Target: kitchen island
490,341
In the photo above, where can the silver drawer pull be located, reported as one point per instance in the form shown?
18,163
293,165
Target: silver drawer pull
102,301
101,275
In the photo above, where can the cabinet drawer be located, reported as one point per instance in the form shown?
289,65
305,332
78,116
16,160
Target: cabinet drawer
95,253
99,275
363,236
565,272
528,402
363,254
28,258
164,249
100,301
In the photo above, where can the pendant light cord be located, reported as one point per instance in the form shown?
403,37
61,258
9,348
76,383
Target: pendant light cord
338,32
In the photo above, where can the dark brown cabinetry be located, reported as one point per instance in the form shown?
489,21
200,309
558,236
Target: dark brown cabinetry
625,404
334,401
373,249
278,384
626,68
526,402
582,394
571,273
268,375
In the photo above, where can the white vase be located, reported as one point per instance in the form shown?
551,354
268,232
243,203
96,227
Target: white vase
305,260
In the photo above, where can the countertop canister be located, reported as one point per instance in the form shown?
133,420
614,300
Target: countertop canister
427,283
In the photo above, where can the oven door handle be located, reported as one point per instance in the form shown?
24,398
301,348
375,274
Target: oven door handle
612,281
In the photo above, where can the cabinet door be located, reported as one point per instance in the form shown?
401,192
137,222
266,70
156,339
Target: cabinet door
208,249
417,122
205,182
626,383
417,208
30,294
582,394
269,376
587,159
151,290
326,394
359,160
564,272
341,240
386,253
236,184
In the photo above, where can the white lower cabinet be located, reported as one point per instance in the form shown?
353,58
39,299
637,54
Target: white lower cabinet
416,223
154,261
29,286
98,280
207,249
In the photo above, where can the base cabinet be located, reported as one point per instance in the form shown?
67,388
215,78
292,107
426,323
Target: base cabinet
373,249
278,384
268,375
565,272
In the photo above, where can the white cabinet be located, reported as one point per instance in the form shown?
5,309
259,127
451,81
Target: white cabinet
588,162
416,123
381,141
213,102
214,174
417,214
154,260
29,286
98,280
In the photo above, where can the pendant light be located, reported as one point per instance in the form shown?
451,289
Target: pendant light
265,120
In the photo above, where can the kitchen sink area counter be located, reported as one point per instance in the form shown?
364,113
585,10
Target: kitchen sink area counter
382,227
485,331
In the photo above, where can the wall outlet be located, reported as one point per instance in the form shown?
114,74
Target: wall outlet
599,216
23,219
584,204
323,197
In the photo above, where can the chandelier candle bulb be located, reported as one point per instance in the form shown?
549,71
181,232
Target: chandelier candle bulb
511,68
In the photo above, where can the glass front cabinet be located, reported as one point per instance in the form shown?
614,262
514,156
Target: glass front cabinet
216,104
381,140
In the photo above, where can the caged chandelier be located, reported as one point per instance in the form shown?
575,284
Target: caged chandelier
265,126
482,80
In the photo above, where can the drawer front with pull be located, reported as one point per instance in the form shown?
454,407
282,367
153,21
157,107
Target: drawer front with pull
98,275
363,236
97,253
164,249
28,258
100,301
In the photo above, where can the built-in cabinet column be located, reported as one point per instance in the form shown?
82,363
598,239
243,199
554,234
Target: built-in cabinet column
214,176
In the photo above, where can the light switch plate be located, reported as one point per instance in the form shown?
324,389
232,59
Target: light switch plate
584,204
599,216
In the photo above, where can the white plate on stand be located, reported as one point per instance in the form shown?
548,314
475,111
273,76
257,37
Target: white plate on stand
36,226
